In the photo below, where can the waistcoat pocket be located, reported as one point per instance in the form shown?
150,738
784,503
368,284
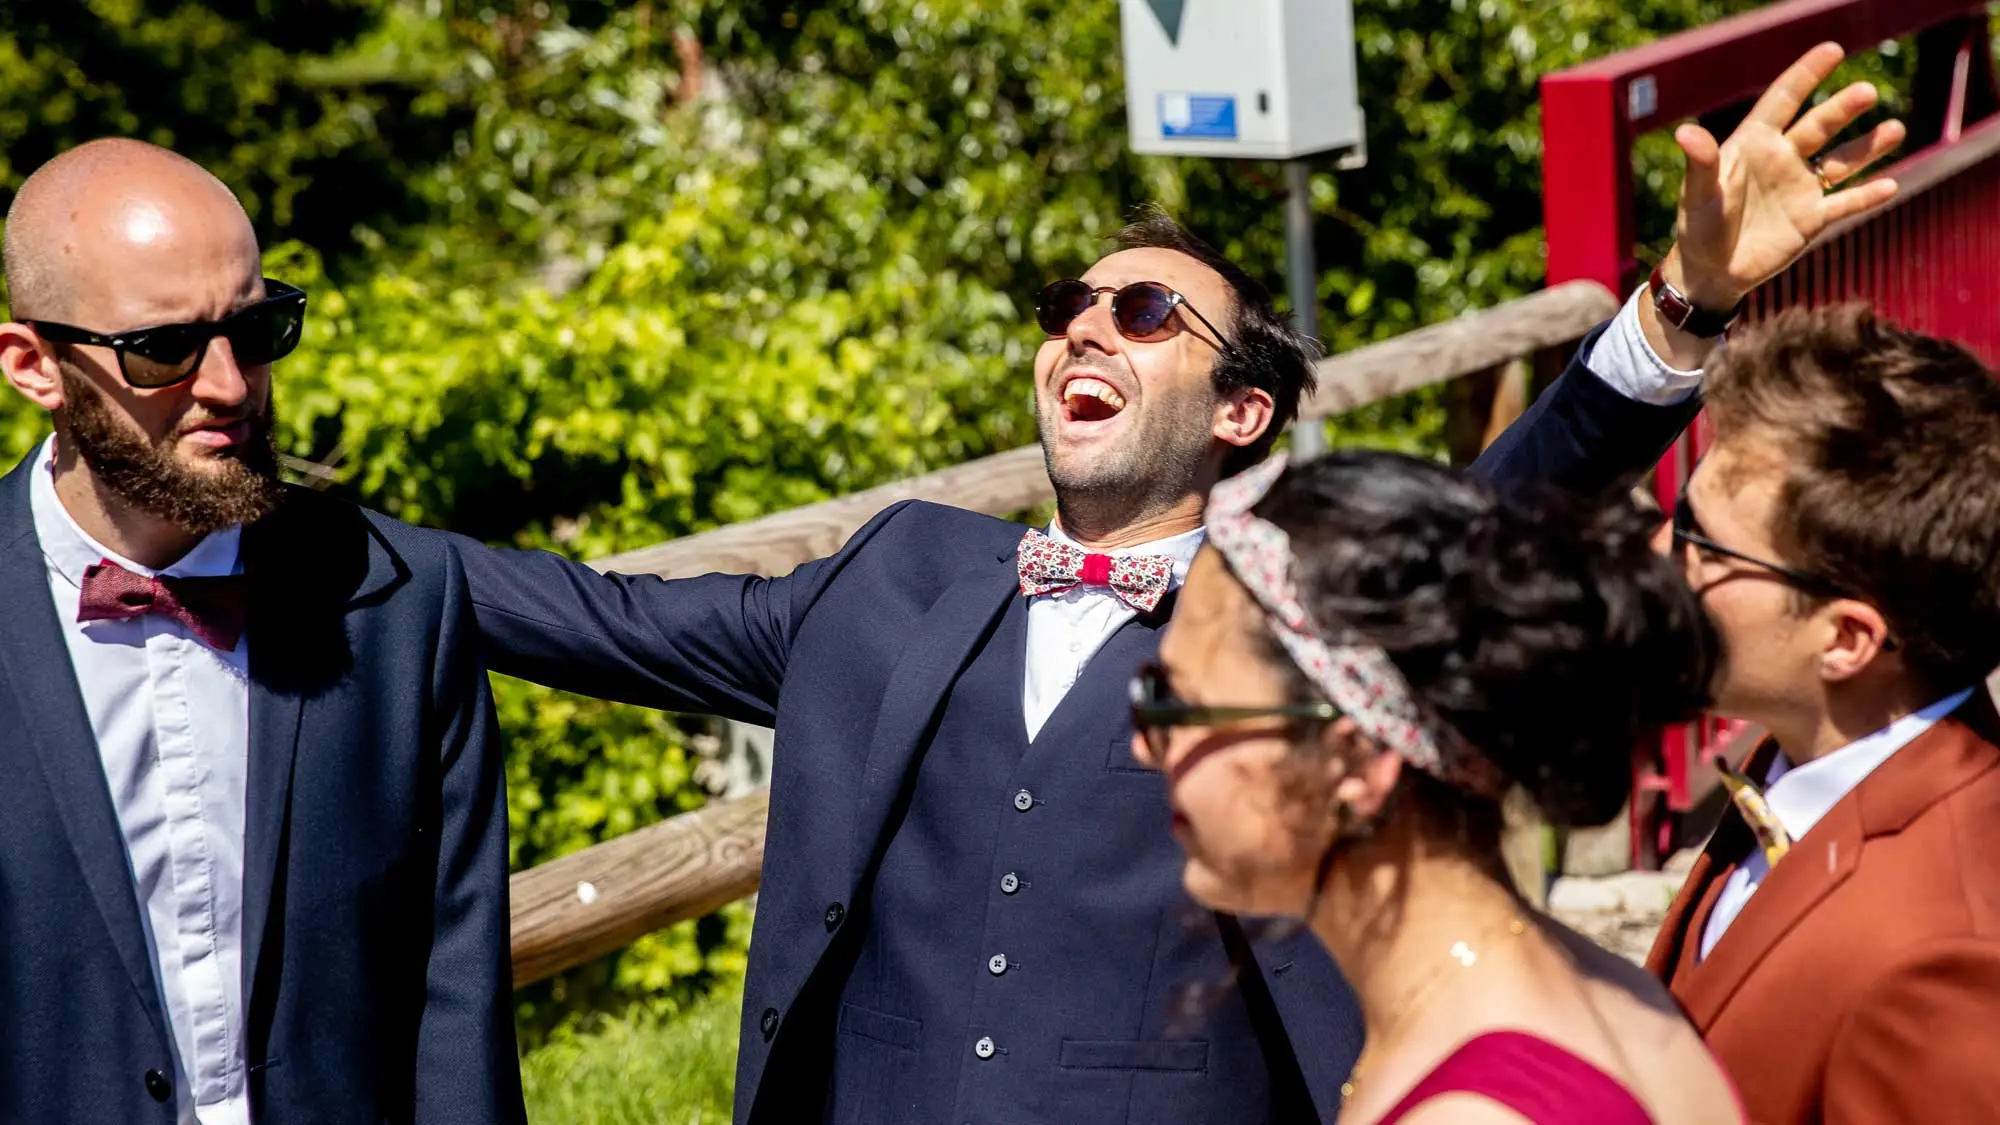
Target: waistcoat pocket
1134,1054
881,1027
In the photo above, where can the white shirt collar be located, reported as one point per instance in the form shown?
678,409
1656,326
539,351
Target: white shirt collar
71,550
1800,795
1181,548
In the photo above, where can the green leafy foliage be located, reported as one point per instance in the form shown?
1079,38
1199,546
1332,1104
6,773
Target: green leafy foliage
591,275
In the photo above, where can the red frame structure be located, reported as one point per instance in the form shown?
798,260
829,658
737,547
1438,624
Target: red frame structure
1931,261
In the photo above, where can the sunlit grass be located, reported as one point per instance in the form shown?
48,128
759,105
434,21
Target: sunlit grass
639,1071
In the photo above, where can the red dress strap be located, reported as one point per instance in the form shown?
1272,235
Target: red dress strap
1531,1076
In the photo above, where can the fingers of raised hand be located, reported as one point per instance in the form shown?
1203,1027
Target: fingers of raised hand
1848,161
1824,121
1781,101
1857,200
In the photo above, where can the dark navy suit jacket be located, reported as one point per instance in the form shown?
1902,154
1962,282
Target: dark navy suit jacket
376,979
859,661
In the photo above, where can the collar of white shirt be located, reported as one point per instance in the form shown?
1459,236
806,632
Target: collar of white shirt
1181,548
1800,795
70,550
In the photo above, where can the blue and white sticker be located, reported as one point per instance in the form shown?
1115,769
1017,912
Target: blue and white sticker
1210,116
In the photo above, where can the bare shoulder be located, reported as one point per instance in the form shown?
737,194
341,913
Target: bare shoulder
1598,965
1462,1109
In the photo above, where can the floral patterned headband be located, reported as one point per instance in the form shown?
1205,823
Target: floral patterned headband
1355,674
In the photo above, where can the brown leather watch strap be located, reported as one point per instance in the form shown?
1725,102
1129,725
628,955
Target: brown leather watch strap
1675,308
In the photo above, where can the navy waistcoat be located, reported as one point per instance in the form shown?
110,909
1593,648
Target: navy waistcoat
1006,974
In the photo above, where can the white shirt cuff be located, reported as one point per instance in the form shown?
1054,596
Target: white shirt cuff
1625,360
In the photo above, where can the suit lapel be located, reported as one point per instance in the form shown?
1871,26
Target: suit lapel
938,649
1816,865
307,566
34,658
1953,752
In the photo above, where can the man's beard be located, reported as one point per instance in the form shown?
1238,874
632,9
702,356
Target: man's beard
242,485
1148,469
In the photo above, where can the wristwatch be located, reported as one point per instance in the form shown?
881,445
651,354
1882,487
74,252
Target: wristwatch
1675,308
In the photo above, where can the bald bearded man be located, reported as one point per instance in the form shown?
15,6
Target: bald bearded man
253,846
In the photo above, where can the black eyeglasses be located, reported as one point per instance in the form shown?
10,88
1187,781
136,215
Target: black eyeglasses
165,354
1141,311
1156,710
1688,530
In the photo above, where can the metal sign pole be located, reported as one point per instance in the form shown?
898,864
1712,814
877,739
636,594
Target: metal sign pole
1302,269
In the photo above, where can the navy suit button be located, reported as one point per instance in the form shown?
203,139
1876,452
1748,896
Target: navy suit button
984,1048
159,1085
769,1023
1024,800
834,914
1009,883
996,964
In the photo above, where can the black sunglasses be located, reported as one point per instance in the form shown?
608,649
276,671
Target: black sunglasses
1688,530
1156,710
165,354
1142,311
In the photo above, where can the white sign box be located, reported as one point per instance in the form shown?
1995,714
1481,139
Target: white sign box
1264,79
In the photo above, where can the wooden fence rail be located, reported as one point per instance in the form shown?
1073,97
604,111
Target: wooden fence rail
571,910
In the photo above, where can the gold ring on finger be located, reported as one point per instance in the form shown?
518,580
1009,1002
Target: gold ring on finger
1819,171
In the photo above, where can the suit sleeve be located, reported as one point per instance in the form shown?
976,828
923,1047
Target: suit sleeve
1921,1044
467,1069
717,644
1584,437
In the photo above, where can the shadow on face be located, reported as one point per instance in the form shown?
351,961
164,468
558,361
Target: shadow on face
1251,806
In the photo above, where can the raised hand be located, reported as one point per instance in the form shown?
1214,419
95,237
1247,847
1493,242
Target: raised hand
1750,206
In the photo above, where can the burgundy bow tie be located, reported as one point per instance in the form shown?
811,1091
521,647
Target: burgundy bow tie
211,608
1048,565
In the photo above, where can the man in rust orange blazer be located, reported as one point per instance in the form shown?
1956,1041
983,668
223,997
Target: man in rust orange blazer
1838,942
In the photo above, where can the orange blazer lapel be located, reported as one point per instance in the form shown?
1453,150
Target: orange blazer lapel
1950,754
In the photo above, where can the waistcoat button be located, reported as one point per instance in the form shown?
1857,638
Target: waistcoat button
769,1023
158,1085
984,1048
834,913
1024,800
996,964
1009,883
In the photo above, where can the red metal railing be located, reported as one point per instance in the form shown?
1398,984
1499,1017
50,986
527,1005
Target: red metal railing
1931,261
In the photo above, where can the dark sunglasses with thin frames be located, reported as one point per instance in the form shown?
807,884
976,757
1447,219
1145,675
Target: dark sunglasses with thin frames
166,354
1688,530
1156,710
1142,311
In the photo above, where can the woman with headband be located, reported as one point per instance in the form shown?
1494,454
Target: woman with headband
1369,654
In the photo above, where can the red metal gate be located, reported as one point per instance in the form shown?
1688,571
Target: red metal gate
1930,262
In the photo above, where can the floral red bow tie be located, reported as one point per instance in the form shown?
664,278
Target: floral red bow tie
211,608
1048,566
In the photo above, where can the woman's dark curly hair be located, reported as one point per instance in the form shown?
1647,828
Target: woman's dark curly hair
1546,631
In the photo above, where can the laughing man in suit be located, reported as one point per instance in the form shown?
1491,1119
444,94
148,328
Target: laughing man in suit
253,863
971,908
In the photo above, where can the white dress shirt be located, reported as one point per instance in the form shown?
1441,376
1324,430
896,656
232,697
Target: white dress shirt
1066,629
171,716
1800,795
1627,363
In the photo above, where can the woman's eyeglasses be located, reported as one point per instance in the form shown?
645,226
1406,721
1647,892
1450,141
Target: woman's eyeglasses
1142,311
165,354
1688,530
1156,710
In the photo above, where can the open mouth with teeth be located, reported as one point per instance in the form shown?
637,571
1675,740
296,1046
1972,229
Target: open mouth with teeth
1091,400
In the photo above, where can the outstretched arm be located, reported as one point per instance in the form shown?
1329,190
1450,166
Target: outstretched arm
717,644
